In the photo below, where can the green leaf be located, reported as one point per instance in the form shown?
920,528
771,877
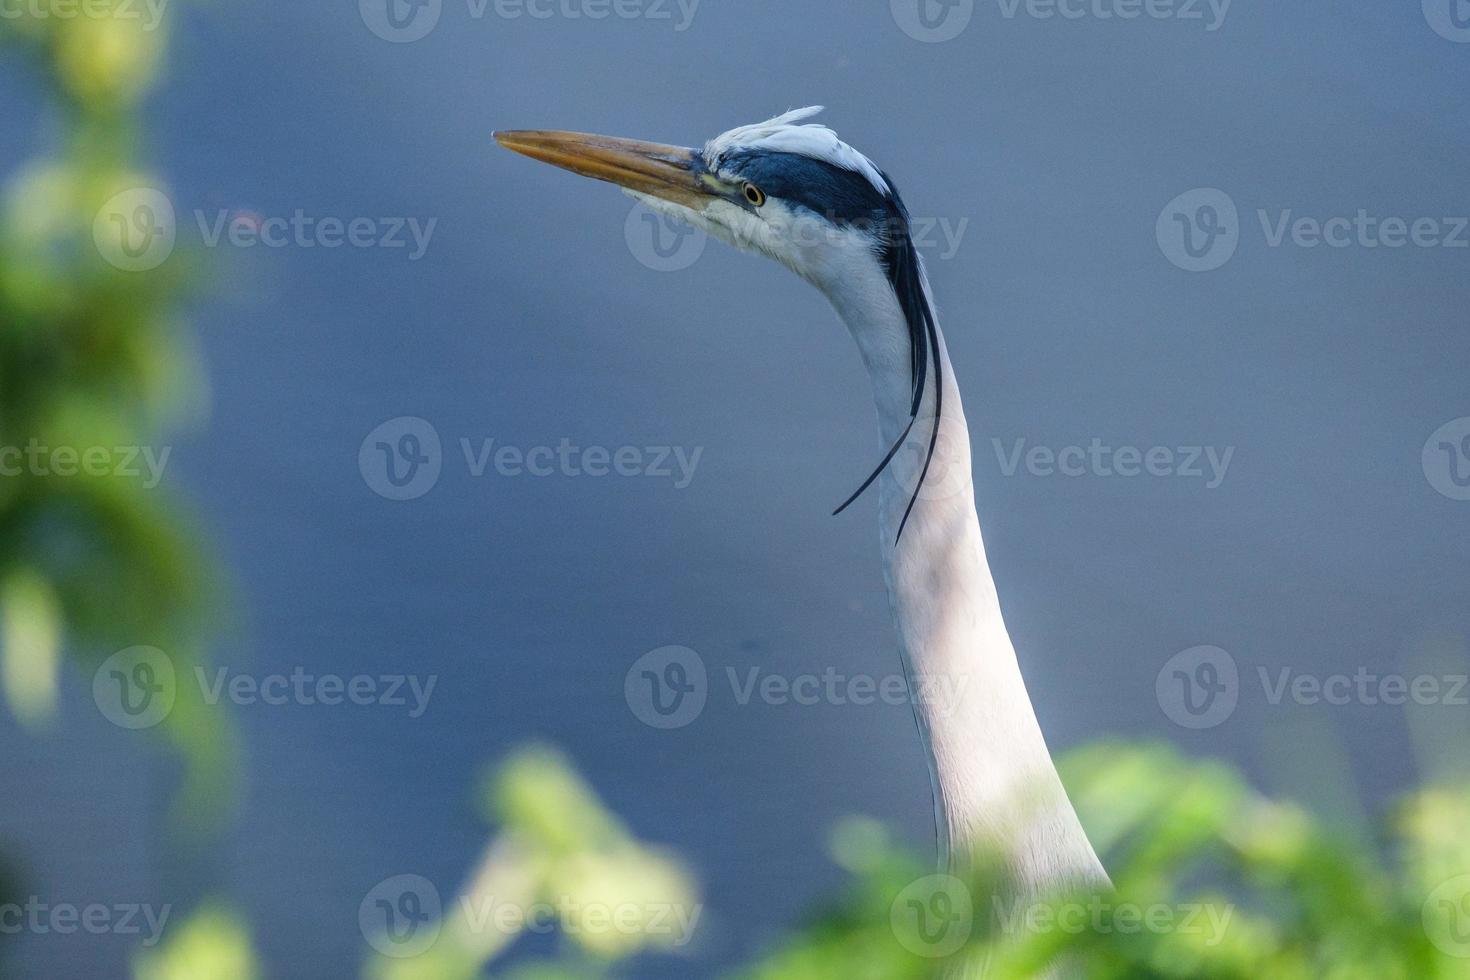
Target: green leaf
30,645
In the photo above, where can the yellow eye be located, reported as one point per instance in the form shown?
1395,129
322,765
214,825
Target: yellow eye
754,194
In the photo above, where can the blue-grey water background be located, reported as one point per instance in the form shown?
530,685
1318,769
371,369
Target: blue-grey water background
530,320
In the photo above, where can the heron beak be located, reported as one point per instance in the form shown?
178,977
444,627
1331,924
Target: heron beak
674,173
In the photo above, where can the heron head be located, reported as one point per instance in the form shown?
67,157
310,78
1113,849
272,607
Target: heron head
791,191
795,192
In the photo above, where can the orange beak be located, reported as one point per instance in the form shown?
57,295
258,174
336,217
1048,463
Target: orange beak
674,173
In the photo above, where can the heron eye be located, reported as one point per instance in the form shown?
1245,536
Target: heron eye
754,194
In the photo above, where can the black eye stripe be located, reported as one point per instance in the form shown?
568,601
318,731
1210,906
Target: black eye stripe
838,194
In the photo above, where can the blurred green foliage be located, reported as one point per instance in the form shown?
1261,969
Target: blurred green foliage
93,360
211,945
1211,880
560,859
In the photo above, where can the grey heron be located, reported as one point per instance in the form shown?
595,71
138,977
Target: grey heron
792,190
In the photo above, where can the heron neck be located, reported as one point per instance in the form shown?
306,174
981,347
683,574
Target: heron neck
996,790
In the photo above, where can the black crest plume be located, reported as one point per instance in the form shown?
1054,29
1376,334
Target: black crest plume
901,261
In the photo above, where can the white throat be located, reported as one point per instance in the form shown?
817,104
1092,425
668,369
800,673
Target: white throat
996,789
